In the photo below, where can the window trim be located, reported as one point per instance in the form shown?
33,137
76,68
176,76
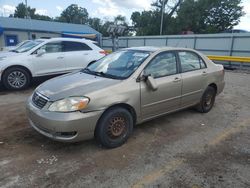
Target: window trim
198,55
35,52
177,63
81,43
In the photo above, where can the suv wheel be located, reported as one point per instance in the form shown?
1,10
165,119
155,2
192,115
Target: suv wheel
114,127
207,100
16,78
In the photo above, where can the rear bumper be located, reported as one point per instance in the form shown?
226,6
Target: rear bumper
65,127
220,87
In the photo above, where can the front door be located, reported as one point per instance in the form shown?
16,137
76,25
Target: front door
51,62
163,68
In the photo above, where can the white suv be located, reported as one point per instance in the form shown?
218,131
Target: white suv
43,57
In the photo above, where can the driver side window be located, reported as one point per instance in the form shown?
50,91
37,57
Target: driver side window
52,47
164,64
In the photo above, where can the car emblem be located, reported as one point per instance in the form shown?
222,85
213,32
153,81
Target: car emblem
37,98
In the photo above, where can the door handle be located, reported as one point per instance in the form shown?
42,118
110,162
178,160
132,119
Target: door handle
204,73
60,57
177,79
86,54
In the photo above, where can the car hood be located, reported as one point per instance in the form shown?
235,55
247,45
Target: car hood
74,84
8,54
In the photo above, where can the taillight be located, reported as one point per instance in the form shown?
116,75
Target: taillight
103,52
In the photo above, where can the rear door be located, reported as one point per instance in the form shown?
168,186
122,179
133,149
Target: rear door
194,75
77,55
163,68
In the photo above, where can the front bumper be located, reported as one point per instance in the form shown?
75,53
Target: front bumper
65,127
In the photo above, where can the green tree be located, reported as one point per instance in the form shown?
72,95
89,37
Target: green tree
20,11
209,16
74,14
102,26
148,22
42,17
95,23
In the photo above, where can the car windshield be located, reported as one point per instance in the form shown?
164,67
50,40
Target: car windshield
118,65
27,46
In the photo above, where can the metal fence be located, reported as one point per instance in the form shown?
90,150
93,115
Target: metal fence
232,44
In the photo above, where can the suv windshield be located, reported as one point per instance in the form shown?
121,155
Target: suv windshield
27,46
118,65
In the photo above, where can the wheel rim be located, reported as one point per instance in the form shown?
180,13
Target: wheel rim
208,100
116,127
17,79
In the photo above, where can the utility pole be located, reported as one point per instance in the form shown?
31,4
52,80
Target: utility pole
26,9
162,15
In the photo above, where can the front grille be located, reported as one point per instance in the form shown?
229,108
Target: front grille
39,100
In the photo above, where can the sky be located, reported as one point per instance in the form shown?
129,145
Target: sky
105,9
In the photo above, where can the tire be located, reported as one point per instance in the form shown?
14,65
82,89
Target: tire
114,127
207,100
16,78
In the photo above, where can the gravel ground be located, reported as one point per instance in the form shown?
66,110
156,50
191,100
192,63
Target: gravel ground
184,149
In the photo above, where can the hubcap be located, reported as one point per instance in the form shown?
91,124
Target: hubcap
208,99
17,79
117,126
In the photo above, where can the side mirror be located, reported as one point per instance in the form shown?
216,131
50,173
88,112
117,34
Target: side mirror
40,52
150,81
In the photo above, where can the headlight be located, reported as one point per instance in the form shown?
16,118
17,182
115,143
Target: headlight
70,104
2,58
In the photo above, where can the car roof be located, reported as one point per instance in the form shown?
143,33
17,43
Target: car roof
69,39
154,48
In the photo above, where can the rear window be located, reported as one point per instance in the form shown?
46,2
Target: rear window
69,46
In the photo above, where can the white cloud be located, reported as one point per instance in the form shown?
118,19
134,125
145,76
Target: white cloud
128,4
134,4
6,10
245,20
42,12
107,8
59,8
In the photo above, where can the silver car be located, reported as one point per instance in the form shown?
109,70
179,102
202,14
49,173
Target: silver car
128,87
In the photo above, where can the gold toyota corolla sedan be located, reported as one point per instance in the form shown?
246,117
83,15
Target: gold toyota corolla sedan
128,87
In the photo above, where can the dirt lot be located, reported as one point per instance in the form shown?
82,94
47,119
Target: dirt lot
185,149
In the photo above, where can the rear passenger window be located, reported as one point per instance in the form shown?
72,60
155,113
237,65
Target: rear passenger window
190,61
69,46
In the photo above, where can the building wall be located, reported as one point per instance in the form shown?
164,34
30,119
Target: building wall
43,34
20,36
24,35
235,44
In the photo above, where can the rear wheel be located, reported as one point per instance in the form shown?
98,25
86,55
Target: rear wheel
207,100
16,78
114,127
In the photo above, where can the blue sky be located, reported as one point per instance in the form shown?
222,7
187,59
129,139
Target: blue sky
105,9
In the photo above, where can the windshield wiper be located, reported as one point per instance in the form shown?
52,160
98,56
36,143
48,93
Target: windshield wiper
110,76
102,74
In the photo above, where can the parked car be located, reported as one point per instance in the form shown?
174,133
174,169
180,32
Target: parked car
43,57
9,48
128,87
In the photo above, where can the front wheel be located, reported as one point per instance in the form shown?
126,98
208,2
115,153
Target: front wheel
16,78
114,127
207,100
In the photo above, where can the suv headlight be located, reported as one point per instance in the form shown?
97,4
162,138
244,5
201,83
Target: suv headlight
70,104
2,58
